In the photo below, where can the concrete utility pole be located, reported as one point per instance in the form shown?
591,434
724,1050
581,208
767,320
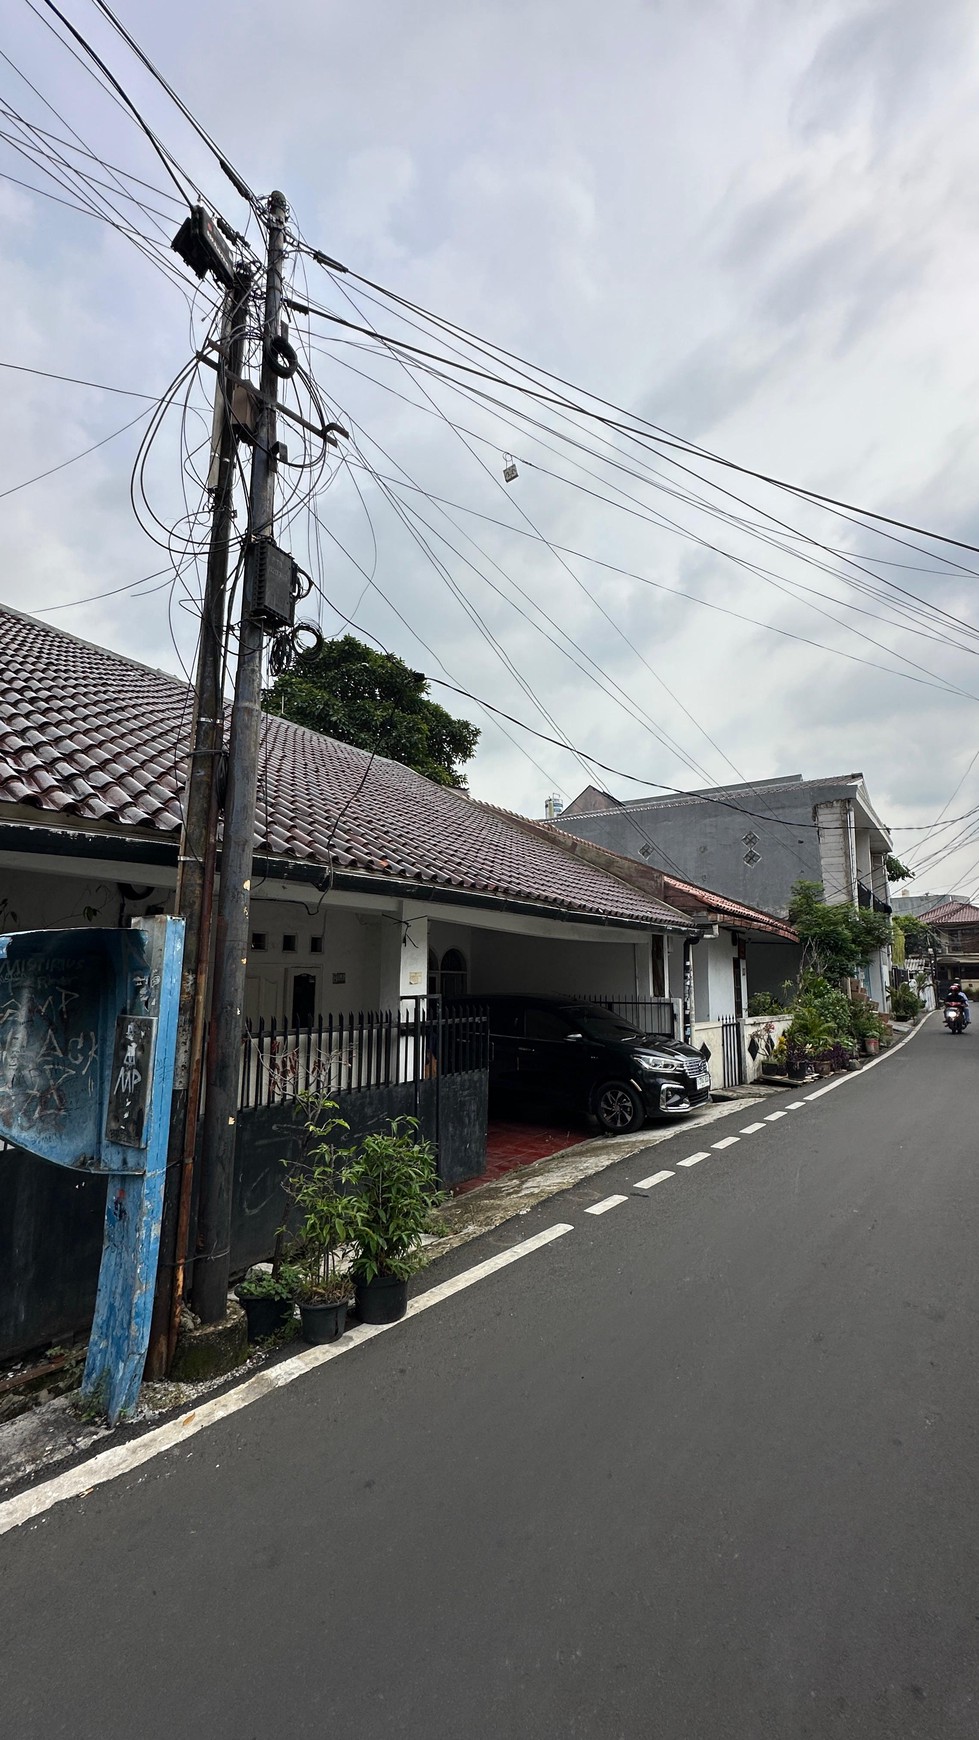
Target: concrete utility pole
213,1260
198,846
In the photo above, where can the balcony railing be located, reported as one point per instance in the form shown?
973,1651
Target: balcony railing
867,898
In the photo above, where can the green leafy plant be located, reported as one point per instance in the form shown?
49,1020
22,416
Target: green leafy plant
283,1283
898,872
837,940
316,1184
374,700
810,1033
393,1190
904,1003
763,1003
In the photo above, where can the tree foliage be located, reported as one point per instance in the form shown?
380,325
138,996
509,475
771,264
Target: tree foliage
837,940
373,700
916,935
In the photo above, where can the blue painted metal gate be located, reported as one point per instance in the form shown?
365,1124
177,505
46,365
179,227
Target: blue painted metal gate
87,1037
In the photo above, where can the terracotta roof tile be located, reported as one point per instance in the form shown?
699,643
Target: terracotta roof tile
951,912
113,734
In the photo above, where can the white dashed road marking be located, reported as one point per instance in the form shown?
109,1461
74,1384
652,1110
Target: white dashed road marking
750,1129
657,1178
607,1203
726,1142
772,1117
795,1106
693,1159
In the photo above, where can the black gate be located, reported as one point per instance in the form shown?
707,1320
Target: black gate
649,1014
423,1061
732,1052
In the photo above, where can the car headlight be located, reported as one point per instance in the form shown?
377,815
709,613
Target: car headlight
662,1065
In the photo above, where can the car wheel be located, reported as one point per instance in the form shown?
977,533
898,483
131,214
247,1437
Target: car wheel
618,1108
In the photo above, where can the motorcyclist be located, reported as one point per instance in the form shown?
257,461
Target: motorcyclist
955,994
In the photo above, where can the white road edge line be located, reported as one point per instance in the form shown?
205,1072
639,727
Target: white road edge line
123,1458
726,1142
892,1050
693,1159
749,1129
606,1203
657,1178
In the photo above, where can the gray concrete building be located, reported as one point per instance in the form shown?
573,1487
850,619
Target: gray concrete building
752,842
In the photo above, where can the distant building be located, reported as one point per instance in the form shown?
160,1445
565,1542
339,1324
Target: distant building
752,842
955,925
908,905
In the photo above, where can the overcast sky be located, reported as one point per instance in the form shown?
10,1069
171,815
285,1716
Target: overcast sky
754,225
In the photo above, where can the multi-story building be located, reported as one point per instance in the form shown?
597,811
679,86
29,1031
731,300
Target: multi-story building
752,842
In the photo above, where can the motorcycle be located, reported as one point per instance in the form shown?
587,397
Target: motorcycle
955,1017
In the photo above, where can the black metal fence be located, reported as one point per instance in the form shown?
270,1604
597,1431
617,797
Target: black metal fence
733,1068
649,1014
372,1048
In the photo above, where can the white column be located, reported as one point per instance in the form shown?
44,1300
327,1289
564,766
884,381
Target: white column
404,955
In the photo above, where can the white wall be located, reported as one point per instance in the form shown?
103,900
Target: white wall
350,946
54,901
547,967
720,963
837,851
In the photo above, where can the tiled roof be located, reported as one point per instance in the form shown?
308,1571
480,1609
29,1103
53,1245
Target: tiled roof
689,897
90,734
952,912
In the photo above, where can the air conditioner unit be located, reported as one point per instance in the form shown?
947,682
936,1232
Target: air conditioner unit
273,583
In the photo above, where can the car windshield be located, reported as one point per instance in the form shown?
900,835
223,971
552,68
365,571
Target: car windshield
603,1024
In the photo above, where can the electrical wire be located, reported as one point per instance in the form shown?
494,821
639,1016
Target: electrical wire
75,381
26,482
334,267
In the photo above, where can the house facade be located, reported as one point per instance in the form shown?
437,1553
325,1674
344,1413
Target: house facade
955,927
729,951
371,884
753,842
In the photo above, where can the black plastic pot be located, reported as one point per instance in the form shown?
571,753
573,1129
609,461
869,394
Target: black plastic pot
382,1300
322,1323
265,1316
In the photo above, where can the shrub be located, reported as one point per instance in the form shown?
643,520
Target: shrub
904,1004
763,1003
393,1189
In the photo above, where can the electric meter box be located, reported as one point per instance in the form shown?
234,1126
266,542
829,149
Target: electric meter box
272,584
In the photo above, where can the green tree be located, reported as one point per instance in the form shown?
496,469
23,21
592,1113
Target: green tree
836,939
916,935
373,700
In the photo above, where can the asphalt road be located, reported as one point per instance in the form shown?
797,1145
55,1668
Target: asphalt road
704,1467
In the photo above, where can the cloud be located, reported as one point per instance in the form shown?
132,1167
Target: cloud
753,224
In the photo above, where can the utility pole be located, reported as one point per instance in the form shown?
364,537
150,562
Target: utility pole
198,846
213,1259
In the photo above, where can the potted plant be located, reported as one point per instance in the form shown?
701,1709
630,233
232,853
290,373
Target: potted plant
316,1185
777,1060
809,1036
867,1025
393,1188
268,1297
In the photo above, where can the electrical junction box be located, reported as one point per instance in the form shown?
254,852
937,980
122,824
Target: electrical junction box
273,584
200,243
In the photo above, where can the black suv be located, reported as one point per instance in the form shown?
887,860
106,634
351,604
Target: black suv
583,1057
